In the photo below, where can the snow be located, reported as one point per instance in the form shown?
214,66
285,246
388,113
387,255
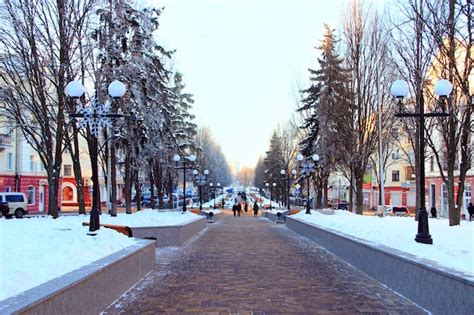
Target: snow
149,217
266,201
36,250
453,246
210,203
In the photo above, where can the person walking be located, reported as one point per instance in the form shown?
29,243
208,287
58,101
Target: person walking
239,209
234,209
246,207
255,209
470,209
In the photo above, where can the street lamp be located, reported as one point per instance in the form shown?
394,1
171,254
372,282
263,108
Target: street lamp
288,179
307,168
184,167
399,89
95,116
201,181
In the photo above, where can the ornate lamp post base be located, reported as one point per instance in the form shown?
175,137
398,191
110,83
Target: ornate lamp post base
423,235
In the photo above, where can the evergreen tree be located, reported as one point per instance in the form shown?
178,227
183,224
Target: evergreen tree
327,113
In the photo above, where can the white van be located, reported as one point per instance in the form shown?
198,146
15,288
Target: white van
17,203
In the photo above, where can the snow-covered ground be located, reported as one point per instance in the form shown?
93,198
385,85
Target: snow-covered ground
210,203
36,250
453,246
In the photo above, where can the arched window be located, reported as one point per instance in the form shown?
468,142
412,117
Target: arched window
69,193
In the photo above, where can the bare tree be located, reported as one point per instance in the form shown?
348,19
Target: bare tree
38,42
362,39
450,26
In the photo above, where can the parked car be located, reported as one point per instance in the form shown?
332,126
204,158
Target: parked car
17,203
396,210
341,205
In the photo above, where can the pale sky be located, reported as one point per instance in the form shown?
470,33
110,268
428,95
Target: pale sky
243,60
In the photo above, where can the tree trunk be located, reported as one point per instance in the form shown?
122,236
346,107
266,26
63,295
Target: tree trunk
159,181
113,176
152,185
454,211
78,174
76,164
128,184
359,194
138,190
319,191
351,193
325,192
170,190
53,186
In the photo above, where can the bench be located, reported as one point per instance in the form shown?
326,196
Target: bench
119,228
294,211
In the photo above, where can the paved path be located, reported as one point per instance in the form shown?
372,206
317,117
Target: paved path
250,265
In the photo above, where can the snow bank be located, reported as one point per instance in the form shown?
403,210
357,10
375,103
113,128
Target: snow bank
453,246
34,251
149,217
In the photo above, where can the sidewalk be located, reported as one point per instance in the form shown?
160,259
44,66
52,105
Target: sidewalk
249,265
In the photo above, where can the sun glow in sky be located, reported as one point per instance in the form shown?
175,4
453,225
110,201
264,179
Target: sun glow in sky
244,61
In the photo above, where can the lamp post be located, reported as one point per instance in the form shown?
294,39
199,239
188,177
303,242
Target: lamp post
288,179
307,168
201,181
399,89
95,116
184,167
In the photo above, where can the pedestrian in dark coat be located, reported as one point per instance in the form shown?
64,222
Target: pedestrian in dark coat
433,212
234,209
239,209
470,209
246,208
255,209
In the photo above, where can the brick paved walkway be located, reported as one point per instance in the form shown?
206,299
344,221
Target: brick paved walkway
250,265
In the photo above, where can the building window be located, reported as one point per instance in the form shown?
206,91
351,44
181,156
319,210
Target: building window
432,164
396,154
32,163
41,167
10,161
395,176
67,170
8,189
68,194
31,195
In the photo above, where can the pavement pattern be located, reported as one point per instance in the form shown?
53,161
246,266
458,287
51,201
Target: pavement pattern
247,265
